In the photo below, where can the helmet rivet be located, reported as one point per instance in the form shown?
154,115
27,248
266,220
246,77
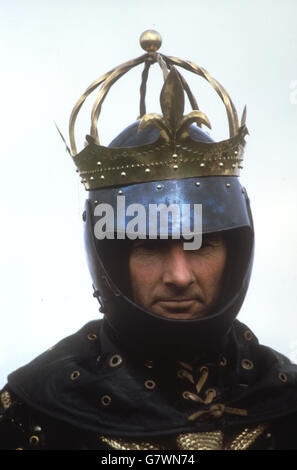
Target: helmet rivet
99,163
147,170
120,192
197,183
228,185
202,164
102,177
150,40
174,155
123,173
175,167
221,164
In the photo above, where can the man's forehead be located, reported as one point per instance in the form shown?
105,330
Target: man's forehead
215,237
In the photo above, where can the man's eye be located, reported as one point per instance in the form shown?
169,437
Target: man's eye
206,244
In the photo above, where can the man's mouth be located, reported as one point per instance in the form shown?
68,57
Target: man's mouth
177,305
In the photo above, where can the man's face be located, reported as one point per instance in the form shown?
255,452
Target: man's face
176,283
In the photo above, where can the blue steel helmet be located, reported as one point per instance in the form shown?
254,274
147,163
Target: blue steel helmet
163,159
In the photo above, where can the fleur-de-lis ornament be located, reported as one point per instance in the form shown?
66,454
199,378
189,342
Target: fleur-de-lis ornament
173,125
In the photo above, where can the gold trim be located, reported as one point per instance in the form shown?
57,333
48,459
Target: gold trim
214,440
200,441
121,444
194,159
246,438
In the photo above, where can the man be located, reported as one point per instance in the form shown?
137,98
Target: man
169,366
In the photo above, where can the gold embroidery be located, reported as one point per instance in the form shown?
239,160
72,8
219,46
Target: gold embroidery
213,440
6,400
121,444
246,438
200,441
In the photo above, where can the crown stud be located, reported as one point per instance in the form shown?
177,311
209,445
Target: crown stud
150,40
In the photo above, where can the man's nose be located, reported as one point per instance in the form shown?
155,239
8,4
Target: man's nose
177,271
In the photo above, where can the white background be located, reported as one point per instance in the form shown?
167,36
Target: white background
51,50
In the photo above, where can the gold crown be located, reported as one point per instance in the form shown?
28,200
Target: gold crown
174,155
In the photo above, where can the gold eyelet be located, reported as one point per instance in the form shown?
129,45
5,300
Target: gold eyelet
149,364
105,400
248,335
150,384
34,440
223,362
283,377
74,375
92,336
115,360
247,364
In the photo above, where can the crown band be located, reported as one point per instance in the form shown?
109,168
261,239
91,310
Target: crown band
100,167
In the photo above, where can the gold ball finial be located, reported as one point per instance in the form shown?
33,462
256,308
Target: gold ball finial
150,40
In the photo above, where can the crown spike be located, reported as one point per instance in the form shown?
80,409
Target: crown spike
243,117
